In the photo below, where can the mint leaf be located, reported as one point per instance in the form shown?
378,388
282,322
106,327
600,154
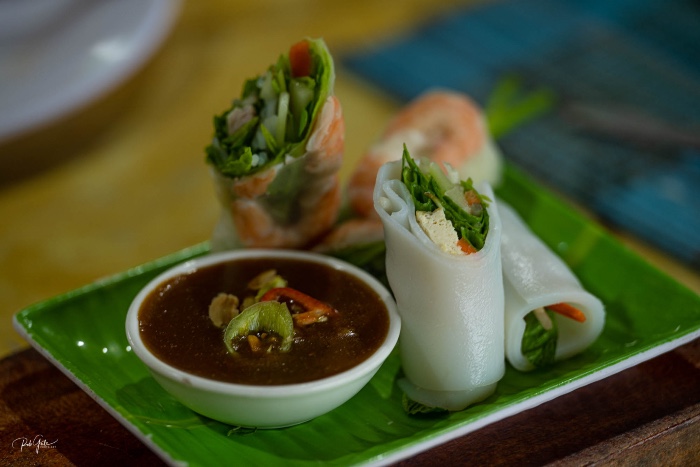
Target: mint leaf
539,345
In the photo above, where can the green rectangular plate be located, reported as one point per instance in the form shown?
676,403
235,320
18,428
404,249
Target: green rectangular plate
82,333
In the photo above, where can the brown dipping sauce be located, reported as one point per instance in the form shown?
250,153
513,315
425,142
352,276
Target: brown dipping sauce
175,326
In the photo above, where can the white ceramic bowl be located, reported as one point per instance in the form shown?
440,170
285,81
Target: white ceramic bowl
262,406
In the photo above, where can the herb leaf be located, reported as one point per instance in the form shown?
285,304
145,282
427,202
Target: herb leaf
539,345
428,195
231,154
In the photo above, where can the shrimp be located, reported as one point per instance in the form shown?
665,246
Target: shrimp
443,126
327,142
250,222
256,228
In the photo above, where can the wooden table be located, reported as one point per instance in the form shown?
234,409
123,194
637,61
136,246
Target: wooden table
646,415
122,181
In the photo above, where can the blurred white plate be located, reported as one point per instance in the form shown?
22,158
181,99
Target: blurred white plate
58,55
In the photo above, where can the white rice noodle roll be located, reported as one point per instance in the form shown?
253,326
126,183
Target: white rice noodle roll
451,306
534,276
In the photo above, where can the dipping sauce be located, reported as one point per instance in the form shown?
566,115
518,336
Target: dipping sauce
174,324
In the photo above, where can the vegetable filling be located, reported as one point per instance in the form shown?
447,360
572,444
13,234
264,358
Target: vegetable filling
274,115
541,334
451,212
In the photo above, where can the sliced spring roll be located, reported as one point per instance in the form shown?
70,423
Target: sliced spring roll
451,303
549,316
276,153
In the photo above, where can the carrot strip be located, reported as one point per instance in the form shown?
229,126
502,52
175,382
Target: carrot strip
569,311
465,246
300,59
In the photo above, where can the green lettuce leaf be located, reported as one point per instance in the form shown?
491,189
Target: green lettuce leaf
539,345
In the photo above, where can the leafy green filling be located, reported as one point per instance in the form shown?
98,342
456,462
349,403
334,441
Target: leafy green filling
280,112
539,345
429,191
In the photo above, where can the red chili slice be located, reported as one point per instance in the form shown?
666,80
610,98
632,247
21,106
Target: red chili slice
314,310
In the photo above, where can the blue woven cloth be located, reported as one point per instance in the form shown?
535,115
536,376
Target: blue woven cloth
640,56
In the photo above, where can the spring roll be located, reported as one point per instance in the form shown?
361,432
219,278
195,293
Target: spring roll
276,153
450,300
549,316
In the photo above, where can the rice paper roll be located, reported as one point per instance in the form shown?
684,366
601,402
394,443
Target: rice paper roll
535,278
276,153
451,306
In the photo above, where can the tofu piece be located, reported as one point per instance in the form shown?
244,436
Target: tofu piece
440,230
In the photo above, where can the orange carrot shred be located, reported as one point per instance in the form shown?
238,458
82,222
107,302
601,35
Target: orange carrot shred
465,246
569,311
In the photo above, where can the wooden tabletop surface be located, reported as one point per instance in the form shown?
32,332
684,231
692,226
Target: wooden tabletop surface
122,181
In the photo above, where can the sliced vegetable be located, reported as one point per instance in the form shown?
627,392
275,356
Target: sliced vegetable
300,59
301,92
543,318
465,246
265,277
270,317
539,345
569,311
539,342
265,281
305,309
